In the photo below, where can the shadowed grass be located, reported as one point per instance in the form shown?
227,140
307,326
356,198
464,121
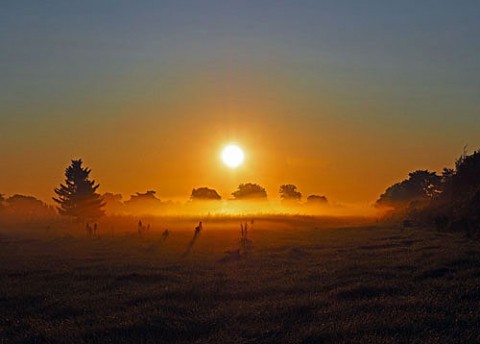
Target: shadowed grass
297,284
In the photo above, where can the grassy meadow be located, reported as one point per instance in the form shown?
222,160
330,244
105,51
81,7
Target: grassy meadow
297,280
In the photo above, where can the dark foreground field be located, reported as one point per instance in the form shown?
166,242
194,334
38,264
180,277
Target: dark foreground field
297,284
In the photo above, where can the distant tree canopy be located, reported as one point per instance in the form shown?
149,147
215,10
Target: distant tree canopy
249,191
316,200
24,201
141,197
204,194
78,197
144,203
420,186
289,192
113,203
27,207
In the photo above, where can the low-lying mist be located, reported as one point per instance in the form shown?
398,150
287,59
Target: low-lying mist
215,215
241,208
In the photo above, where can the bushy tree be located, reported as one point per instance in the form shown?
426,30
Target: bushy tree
148,196
27,207
144,203
204,194
316,200
78,197
421,185
289,192
464,180
451,200
460,199
249,191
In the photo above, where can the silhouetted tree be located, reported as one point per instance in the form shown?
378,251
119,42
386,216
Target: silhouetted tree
149,195
459,203
288,192
420,186
316,199
144,203
464,180
204,194
78,197
249,191
451,200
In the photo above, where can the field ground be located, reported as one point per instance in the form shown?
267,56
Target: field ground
298,282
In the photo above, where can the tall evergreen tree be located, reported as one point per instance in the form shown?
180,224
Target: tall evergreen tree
78,197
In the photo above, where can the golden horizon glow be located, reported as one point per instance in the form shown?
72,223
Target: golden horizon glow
232,156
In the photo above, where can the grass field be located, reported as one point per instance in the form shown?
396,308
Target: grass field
300,281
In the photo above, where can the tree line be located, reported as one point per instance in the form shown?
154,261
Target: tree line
27,208
447,200
78,198
249,191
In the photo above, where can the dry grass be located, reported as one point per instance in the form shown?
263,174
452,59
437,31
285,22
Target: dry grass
297,284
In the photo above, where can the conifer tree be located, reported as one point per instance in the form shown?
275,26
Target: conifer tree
78,197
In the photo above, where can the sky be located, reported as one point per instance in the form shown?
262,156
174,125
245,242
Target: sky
341,98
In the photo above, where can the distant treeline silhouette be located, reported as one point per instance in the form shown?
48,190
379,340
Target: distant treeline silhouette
77,198
24,209
450,200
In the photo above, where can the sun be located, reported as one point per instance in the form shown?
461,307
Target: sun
232,156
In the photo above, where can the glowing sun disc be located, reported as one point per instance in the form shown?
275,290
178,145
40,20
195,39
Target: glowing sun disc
232,156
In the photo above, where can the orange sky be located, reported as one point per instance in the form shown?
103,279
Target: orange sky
173,145
340,100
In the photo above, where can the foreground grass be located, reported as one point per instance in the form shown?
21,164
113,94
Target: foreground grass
297,284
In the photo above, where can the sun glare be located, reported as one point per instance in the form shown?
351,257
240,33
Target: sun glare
232,156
